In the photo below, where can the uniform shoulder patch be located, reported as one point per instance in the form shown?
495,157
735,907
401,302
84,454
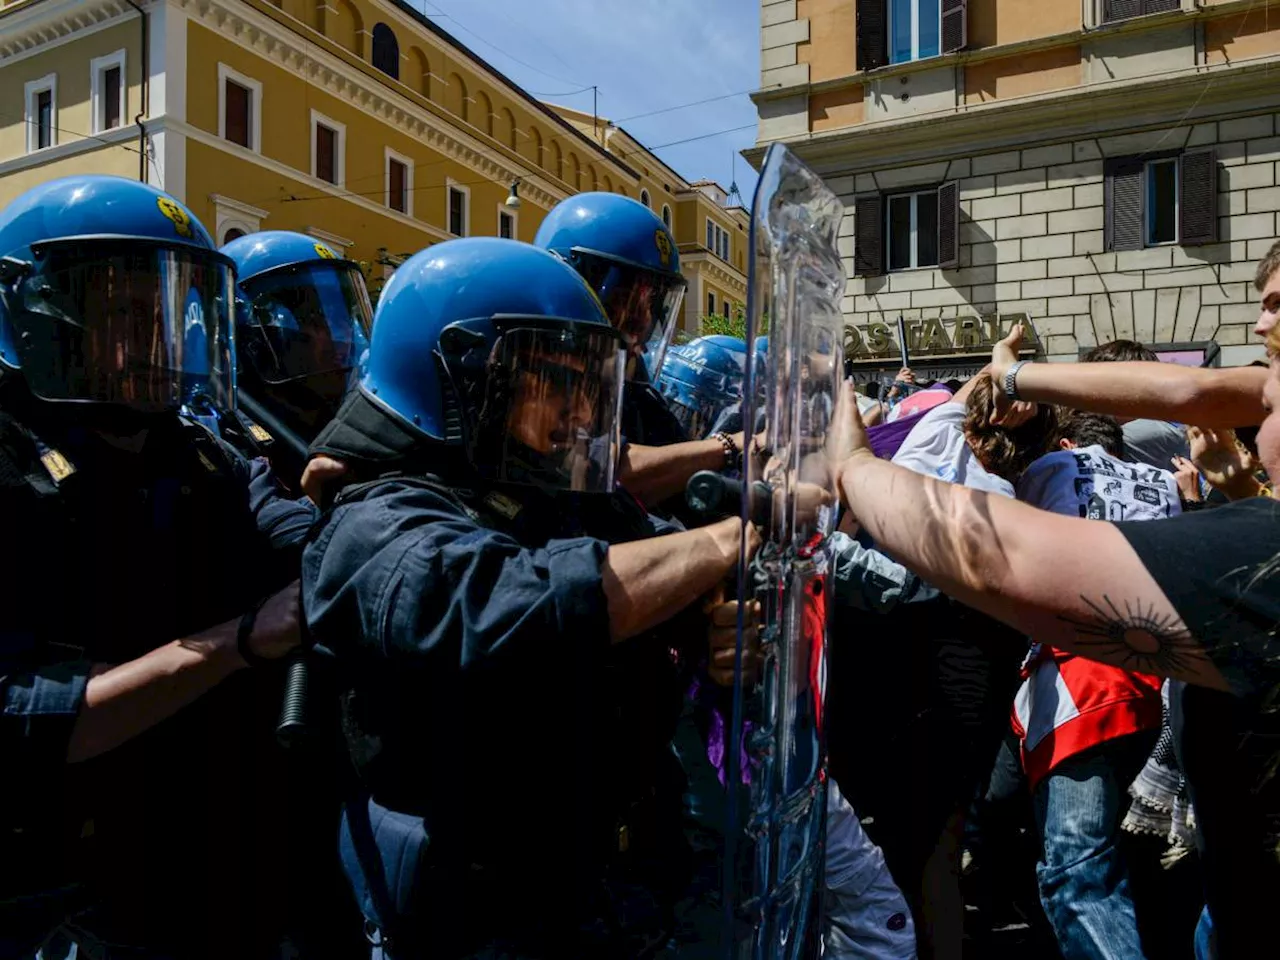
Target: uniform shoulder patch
58,466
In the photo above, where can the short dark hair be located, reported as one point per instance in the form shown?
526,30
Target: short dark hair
1091,429
1117,351
1267,267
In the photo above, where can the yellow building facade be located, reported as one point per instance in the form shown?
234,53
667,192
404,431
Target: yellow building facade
359,122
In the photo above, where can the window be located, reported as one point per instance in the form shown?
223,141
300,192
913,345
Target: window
1113,10
328,149
644,197
399,176
717,239
907,231
1162,202
239,109
911,227
711,303
459,199
914,29
42,113
897,31
107,91
506,224
1165,199
234,233
386,51
666,215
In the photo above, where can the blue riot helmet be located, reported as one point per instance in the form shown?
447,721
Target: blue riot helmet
702,383
629,258
111,292
501,349
301,328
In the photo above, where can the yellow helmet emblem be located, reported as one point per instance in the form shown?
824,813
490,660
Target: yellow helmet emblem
179,217
663,243
324,253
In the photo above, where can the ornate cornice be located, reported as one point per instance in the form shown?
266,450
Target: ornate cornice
46,22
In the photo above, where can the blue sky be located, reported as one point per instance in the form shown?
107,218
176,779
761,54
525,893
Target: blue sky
644,55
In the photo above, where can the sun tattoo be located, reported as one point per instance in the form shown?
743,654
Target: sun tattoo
1140,639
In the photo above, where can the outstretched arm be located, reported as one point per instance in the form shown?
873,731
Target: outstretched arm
1159,391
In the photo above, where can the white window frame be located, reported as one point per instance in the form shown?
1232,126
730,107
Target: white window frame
400,158
31,90
449,187
230,214
318,119
915,196
254,87
915,30
1146,203
97,67
666,215
505,211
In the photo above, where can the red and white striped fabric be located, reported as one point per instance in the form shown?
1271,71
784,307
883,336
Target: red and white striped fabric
1068,704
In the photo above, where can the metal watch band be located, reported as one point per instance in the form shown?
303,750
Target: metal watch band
1011,380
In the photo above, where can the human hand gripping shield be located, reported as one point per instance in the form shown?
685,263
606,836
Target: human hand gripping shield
774,842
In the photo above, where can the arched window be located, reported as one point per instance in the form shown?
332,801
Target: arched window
608,184
666,215
535,138
575,172
420,66
386,51
644,198
233,233
485,106
595,181
557,160
456,96
509,128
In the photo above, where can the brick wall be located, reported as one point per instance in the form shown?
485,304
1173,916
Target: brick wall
1032,241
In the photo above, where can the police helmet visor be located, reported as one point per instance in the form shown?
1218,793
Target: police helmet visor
305,321
641,304
550,412
141,325
703,400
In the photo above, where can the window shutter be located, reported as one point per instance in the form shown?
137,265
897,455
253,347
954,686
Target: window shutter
955,25
868,242
1198,198
1124,203
873,34
1121,9
949,225
1161,6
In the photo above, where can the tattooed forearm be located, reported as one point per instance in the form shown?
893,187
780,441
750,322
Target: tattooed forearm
1138,638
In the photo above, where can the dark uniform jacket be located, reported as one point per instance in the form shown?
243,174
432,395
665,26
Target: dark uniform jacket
111,550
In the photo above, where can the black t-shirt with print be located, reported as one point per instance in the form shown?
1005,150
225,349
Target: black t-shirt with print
1220,569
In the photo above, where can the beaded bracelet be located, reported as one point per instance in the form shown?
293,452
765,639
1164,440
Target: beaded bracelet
732,455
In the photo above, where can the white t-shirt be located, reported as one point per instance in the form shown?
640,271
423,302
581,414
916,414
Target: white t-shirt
1091,483
936,447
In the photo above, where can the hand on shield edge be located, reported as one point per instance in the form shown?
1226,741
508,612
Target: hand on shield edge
321,473
722,640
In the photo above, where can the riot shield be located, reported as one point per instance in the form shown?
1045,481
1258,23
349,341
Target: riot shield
776,821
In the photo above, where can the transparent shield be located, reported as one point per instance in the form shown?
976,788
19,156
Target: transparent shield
774,856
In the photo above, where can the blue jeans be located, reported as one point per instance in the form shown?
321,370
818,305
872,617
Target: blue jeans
1084,882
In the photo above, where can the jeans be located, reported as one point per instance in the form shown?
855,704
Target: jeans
1083,878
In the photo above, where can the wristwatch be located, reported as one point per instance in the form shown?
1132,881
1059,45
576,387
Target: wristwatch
1011,380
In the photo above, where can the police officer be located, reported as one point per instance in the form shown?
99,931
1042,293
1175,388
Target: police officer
628,256
493,604
302,325
146,566
703,382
